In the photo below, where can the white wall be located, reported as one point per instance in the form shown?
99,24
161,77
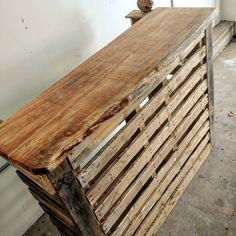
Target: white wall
228,10
41,41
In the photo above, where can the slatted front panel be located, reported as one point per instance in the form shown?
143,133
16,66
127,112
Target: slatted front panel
135,177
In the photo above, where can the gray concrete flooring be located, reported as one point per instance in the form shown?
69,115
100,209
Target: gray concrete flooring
208,206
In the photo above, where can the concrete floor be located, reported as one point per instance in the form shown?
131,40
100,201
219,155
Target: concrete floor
208,206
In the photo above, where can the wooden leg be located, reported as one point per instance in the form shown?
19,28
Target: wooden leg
210,77
71,193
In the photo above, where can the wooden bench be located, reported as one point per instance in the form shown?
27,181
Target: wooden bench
110,148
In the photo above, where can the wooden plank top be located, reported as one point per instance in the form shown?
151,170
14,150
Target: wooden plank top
40,135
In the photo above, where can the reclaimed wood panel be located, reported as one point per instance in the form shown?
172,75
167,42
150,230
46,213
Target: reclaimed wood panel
150,201
138,183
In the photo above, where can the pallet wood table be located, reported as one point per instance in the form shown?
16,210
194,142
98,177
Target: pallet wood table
110,148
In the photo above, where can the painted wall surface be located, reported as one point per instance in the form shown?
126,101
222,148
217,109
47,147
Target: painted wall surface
42,41
228,10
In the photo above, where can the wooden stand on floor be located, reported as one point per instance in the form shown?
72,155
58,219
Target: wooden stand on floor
110,148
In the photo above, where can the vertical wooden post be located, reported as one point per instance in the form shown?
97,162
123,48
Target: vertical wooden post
210,76
71,193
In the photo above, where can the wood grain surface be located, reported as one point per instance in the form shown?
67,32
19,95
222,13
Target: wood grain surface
40,135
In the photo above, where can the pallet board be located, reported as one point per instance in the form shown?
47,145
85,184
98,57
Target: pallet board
123,134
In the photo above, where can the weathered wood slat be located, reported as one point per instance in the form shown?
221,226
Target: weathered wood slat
222,35
56,211
210,81
41,180
64,229
136,207
179,191
37,188
152,199
103,157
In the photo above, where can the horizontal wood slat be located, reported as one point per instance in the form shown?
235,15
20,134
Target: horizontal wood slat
139,142
110,148
56,210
